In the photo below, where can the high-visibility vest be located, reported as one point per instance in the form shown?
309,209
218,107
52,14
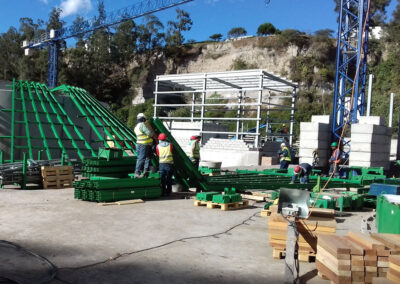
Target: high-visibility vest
336,157
142,138
288,157
165,154
196,152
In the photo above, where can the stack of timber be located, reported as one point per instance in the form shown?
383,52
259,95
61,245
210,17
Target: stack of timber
100,166
358,258
57,177
320,222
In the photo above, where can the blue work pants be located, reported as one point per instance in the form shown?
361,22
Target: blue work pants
166,178
143,158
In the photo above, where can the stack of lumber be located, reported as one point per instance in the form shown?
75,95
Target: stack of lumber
394,268
356,258
320,222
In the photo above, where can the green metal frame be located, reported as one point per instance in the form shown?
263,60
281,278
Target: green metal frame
35,99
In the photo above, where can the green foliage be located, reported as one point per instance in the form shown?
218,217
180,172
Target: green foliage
240,64
237,32
290,36
175,28
216,37
266,29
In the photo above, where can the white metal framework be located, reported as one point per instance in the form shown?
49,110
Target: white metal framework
256,93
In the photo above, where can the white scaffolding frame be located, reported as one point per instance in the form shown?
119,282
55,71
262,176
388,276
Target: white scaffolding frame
247,84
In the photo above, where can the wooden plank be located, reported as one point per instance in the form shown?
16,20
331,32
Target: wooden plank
381,280
366,241
357,276
392,241
127,202
394,259
253,197
330,275
357,257
265,213
334,244
59,177
337,266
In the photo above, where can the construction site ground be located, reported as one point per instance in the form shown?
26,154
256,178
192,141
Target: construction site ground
159,241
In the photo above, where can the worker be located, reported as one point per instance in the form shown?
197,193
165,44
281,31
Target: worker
302,171
285,157
166,161
143,146
284,129
315,160
193,150
334,161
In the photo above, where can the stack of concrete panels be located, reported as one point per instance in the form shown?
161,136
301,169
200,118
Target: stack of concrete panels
315,135
370,143
230,152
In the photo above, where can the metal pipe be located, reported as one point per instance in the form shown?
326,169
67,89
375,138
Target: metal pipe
391,109
371,76
203,101
292,118
193,103
257,140
155,100
230,132
200,105
207,118
238,114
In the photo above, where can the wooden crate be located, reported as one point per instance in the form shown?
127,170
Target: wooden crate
57,177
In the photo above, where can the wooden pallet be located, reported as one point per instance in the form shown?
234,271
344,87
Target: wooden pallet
57,177
303,256
223,206
265,213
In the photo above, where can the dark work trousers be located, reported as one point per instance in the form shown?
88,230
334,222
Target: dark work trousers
143,158
166,178
284,165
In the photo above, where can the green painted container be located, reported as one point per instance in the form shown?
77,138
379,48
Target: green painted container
388,214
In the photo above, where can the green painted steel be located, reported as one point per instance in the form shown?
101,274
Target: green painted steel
26,121
205,196
110,154
387,216
12,122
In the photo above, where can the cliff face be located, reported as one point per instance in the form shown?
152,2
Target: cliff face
249,53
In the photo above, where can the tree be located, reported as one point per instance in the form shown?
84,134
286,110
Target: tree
324,33
150,35
10,52
237,32
377,11
175,28
266,29
216,37
55,21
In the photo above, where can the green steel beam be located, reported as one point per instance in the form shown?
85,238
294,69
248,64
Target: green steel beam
12,121
48,117
45,92
106,119
81,137
21,86
45,144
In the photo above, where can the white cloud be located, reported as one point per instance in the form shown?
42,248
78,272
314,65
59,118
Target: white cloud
45,1
70,7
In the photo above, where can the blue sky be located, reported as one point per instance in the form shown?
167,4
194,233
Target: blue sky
209,16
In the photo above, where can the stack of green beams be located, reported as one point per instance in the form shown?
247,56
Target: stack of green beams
118,168
109,190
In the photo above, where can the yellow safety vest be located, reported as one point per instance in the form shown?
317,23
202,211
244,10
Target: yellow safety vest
289,156
196,152
165,154
142,138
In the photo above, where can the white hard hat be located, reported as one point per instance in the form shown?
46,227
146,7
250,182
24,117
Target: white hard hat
140,115
283,145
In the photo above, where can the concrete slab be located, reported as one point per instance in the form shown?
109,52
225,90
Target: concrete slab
310,135
370,129
368,156
371,120
314,126
231,158
370,148
307,152
313,143
321,118
371,138
385,165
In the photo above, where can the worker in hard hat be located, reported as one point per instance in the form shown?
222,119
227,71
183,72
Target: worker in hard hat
334,160
302,172
285,156
143,146
193,150
284,129
315,160
166,161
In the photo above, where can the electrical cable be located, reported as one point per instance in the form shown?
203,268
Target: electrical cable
160,246
52,267
296,251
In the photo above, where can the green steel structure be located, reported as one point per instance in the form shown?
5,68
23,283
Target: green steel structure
63,122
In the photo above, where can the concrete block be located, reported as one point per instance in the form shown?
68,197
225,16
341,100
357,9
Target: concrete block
377,120
306,135
310,143
370,129
369,157
393,147
369,147
231,158
371,138
321,118
386,165
314,127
